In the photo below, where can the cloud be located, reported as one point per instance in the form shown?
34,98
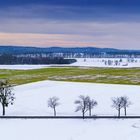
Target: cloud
70,2
44,40
72,13
59,25
117,38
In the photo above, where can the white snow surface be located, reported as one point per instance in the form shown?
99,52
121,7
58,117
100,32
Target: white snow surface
31,99
100,62
22,67
70,129
83,62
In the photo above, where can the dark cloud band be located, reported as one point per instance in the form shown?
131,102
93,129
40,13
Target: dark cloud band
70,13
71,2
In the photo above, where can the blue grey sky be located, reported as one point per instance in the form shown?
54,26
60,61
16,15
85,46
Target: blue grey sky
70,23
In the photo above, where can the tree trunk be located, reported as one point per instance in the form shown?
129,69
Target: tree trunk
125,111
89,112
83,114
54,111
3,110
119,113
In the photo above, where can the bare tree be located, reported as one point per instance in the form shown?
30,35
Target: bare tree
117,104
53,103
82,104
126,103
6,94
91,104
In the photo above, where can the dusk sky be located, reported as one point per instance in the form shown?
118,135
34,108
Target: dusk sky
70,23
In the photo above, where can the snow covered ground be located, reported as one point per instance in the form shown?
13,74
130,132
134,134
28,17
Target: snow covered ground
23,67
70,129
102,62
31,99
84,62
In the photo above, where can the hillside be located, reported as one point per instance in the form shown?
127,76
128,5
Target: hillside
33,50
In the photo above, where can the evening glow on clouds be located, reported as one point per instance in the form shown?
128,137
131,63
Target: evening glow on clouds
43,40
97,23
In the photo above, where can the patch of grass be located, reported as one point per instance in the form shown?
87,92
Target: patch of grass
97,75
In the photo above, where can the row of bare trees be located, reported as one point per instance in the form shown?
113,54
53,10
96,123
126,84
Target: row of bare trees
86,104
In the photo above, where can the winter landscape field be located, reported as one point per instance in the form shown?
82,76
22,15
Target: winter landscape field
86,62
70,129
35,84
108,62
31,99
69,69
84,70
35,96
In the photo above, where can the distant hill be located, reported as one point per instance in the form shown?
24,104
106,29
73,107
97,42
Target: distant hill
89,50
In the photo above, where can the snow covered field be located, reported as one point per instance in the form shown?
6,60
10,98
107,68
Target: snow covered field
102,62
70,129
22,67
84,62
31,99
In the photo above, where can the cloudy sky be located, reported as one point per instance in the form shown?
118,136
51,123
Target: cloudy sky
70,23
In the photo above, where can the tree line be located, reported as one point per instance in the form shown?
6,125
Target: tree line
83,104
9,59
86,104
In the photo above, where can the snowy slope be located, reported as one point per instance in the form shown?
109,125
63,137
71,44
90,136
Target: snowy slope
31,99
